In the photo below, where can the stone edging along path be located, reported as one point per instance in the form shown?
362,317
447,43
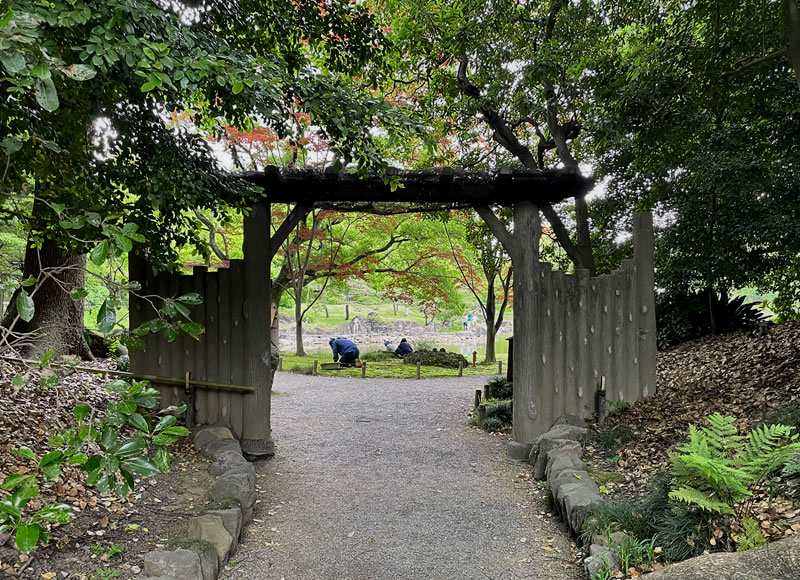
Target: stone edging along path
213,536
556,458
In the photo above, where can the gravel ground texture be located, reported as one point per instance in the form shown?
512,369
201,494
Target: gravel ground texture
379,479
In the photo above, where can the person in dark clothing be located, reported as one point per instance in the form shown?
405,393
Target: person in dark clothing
344,351
403,348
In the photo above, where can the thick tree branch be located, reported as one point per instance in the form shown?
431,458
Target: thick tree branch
503,134
562,235
498,229
212,235
299,212
757,61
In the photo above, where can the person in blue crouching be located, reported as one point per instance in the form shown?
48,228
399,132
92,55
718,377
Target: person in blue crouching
403,348
344,351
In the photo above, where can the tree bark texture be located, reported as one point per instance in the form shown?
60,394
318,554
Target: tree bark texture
491,313
57,323
527,390
775,560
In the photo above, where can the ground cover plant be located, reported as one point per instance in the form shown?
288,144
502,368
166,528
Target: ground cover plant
704,502
106,443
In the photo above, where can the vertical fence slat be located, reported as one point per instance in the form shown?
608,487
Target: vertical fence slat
607,297
211,339
630,330
583,362
617,326
544,385
183,362
643,253
256,437
198,348
595,338
237,342
558,305
162,349
223,276
571,339
137,271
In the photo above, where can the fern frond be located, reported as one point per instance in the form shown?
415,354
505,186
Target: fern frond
722,436
763,440
726,481
697,498
792,466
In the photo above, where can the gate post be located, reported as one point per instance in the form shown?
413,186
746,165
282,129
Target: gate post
256,438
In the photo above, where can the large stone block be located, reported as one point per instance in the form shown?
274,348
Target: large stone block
210,434
236,486
221,446
566,456
211,528
566,477
774,561
556,437
226,460
205,551
578,500
568,419
247,468
518,451
232,520
599,558
180,564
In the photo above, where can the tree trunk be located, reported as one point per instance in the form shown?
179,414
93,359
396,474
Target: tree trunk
347,312
327,314
489,315
57,323
394,306
298,317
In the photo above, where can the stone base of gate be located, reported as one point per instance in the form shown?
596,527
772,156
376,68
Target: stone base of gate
519,451
258,447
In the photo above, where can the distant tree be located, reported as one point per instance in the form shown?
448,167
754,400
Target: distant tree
485,270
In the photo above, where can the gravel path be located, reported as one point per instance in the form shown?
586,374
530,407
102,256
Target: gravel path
379,479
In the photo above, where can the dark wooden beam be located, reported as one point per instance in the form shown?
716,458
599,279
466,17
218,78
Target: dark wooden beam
503,186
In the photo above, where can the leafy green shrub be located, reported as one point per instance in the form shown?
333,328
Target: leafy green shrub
654,520
751,536
127,441
718,468
502,409
499,387
449,360
493,424
686,316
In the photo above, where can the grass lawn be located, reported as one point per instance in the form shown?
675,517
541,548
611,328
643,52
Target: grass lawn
316,317
389,369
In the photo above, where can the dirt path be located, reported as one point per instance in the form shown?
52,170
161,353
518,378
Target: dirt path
383,479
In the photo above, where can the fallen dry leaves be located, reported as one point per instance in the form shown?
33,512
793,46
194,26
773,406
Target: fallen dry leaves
734,374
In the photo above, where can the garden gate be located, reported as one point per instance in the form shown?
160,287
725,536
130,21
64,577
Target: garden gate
580,329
